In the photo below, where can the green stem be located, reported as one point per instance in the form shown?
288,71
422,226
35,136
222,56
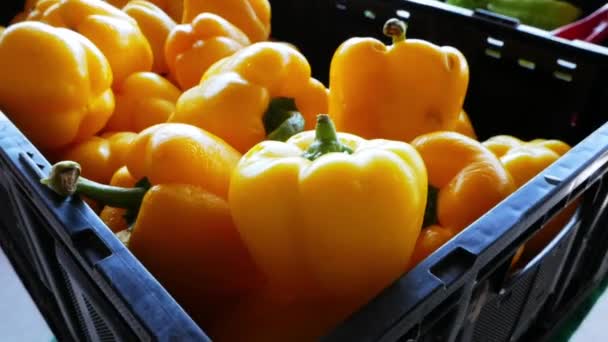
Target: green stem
326,139
65,180
282,119
430,212
396,29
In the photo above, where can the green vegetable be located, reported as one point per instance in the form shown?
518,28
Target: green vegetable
544,14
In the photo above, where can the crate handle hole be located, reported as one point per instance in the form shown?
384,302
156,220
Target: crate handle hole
493,53
341,5
495,42
566,64
369,14
524,63
563,76
91,246
401,13
453,266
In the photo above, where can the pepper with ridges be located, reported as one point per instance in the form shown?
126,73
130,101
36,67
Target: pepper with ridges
398,91
201,261
114,32
251,16
173,8
73,100
524,160
155,25
465,181
99,156
329,215
144,99
263,91
192,48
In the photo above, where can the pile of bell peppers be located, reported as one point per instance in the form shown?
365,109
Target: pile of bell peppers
269,205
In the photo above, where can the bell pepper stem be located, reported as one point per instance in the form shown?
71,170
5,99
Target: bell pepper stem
65,180
326,139
282,119
395,29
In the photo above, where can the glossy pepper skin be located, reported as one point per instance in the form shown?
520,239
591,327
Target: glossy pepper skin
155,24
100,156
236,98
114,217
142,100
464,126
251,16
115,33
329,216
193,47
524,160
183,232
398,91
465,181
73,100
173,8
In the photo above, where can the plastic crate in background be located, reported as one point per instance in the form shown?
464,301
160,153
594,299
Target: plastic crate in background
522,83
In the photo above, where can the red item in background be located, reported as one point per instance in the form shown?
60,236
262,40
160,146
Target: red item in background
592,28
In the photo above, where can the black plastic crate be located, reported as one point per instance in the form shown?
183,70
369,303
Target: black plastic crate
90,287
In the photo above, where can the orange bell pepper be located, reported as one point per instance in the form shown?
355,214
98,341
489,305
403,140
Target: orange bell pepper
192,48
155,25
115,33
251,16
202,260
142,100
263,91
465,181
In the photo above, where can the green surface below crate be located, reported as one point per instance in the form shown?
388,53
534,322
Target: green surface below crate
588,320
20,320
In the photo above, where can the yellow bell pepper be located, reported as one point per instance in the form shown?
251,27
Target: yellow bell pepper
263,91
100,156
464,126
202,260
22,15
54,84
155,25
397,92
114,217
251,16
142,100
192,48
524,160
115,33
329,215
173,8
465,181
